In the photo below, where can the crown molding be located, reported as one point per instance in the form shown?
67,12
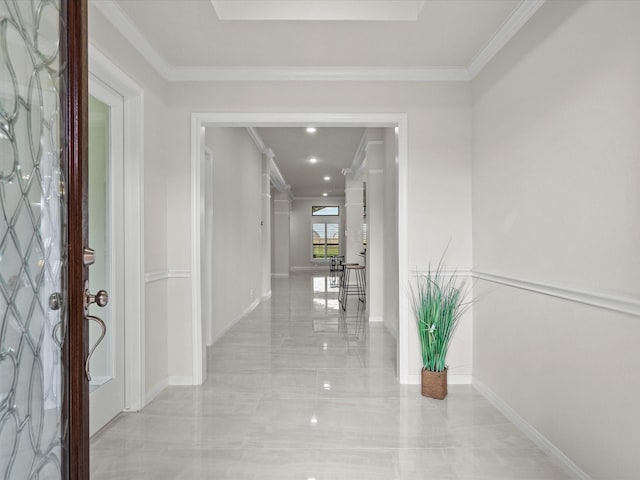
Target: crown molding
123,23
503,34
275,174
318,74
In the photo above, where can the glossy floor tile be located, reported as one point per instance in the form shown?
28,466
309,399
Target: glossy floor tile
300,390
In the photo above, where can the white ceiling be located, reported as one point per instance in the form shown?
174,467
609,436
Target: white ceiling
450,40
413,41
334,148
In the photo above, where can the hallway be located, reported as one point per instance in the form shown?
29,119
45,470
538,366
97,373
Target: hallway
298,391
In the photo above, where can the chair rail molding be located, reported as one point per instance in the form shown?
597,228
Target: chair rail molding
620,304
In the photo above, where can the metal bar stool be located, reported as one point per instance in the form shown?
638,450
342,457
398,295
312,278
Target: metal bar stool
346,288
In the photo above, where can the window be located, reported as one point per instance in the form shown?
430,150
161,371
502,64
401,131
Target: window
325,211
325,240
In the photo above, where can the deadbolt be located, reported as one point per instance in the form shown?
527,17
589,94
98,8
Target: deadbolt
88,256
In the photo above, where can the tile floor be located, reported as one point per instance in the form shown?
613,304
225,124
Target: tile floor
297,390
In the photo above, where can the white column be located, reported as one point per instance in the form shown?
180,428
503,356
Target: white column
353,203
375,155
281,227
266,223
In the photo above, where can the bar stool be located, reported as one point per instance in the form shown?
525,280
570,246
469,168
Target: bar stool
346,288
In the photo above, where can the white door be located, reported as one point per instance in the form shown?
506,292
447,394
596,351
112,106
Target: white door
106,237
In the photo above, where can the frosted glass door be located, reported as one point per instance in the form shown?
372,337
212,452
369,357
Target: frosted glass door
33,300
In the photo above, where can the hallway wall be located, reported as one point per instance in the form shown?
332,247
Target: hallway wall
157,172
439,168
237,235
556,203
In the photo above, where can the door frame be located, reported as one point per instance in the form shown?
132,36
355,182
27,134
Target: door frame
133,189
199,122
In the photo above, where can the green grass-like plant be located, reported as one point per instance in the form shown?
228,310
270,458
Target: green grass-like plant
438,299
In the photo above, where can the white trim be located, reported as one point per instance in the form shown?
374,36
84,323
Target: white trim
505,32
257,140
452,379
281,213
530,431
626,305
233,322
316,74
133,97
156,390
157,275
376,319
266,295
447,271
123,23
181,380
307,268
375,170
279,275
385,120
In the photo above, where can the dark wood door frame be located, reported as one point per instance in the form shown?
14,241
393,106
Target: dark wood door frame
74,91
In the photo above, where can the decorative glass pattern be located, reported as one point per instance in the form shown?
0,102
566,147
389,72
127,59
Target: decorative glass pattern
32,224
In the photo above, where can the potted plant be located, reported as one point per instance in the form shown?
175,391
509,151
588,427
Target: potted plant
438,301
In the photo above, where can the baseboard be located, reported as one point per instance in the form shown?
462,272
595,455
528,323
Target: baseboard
177,380
308,268
231,324
375,319
156,390
530,431
266,294
452,379
280,275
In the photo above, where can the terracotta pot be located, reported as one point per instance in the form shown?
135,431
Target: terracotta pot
434,384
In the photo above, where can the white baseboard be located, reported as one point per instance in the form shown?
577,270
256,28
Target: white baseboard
266,294
243,314
187,380
530,431
308,268
452,379
280,275
373,319
156,390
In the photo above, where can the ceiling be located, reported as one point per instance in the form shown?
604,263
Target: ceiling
334,149
339,40
189,33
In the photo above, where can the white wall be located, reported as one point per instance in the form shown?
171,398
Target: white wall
439,166
157,173
300,242
556,202
237,235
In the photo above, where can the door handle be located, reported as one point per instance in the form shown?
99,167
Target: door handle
102,325
101,298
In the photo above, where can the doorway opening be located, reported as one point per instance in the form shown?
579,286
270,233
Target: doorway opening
199,123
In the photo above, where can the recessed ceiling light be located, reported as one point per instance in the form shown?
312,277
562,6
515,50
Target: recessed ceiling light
313,160
327,179
311,129
325,194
